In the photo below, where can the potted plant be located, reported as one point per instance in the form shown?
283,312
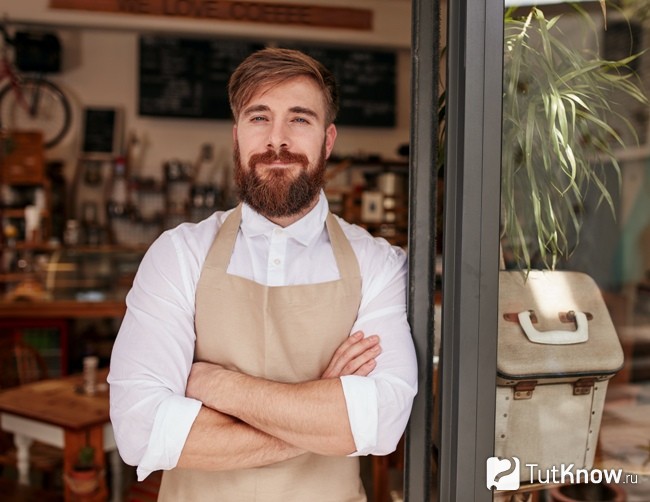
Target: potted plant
558,140
84,477
561,126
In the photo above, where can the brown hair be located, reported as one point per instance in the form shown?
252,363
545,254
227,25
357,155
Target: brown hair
272,66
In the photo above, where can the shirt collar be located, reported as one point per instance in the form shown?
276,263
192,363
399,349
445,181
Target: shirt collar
305,230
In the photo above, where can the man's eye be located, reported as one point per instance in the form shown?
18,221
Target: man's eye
258,119
301,120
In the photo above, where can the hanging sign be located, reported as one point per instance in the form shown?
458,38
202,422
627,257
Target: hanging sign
228,10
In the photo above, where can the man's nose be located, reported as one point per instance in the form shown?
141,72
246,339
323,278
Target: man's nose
278,136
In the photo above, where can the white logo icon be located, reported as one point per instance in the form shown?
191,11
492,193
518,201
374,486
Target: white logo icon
502,473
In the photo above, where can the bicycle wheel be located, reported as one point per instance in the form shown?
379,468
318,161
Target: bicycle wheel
44,107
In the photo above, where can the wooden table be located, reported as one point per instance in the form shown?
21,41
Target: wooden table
56,412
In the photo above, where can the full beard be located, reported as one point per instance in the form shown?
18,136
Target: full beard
280,192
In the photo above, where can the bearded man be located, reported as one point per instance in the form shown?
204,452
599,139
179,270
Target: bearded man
266,348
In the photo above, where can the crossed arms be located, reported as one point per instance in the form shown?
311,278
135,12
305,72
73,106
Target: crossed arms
248,421
158,399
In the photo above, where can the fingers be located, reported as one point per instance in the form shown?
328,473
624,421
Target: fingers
355,356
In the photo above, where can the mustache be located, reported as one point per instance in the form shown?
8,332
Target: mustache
284,156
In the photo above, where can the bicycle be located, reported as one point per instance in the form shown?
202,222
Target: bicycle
31,102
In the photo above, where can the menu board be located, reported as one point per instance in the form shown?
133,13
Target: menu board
101,131
366,81
188,77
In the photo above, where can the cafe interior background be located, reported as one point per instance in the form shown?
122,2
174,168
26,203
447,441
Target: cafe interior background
138,159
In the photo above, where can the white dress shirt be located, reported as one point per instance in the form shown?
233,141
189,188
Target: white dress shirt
153,353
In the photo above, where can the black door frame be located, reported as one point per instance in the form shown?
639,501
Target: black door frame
466,390
422,234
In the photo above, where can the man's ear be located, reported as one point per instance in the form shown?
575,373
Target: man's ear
330,138
234,133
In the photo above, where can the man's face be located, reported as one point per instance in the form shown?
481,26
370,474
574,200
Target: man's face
281,146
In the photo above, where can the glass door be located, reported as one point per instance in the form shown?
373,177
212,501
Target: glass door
546,169
572,417
452,426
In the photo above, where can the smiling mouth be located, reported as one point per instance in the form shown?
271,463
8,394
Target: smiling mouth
281,165
278,160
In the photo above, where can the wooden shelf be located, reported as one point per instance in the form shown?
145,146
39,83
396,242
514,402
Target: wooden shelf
17,277
37,180
19,212
107,248
35,246
67,309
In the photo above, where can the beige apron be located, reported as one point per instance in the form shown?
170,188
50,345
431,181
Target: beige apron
282,333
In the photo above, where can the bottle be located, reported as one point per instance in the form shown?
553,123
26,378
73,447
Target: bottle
118,200
72,233
92,230
90,364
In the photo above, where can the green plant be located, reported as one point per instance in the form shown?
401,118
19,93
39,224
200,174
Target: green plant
557,138
84,477
86,458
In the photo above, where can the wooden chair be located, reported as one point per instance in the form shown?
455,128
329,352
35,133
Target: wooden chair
21,363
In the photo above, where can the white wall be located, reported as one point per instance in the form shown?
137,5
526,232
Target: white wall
100,68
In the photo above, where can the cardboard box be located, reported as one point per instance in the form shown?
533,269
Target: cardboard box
22,158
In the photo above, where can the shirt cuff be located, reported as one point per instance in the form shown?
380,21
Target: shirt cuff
361,401
173,422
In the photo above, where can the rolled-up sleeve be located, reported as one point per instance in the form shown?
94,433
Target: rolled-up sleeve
151,361
379,405
171,427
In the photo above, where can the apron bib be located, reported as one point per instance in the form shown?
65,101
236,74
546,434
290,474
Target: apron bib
282,333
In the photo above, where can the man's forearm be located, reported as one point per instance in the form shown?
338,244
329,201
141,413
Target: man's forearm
220,442
310,415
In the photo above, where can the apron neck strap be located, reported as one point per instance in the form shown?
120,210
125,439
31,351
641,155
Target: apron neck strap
221,250
344,255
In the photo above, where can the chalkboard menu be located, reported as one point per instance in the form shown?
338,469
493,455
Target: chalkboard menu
101,131
187,77
366,81
184,77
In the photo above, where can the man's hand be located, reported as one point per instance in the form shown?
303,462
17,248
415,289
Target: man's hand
355,356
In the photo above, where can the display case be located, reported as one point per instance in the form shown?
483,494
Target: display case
82,274
68,302
93,273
